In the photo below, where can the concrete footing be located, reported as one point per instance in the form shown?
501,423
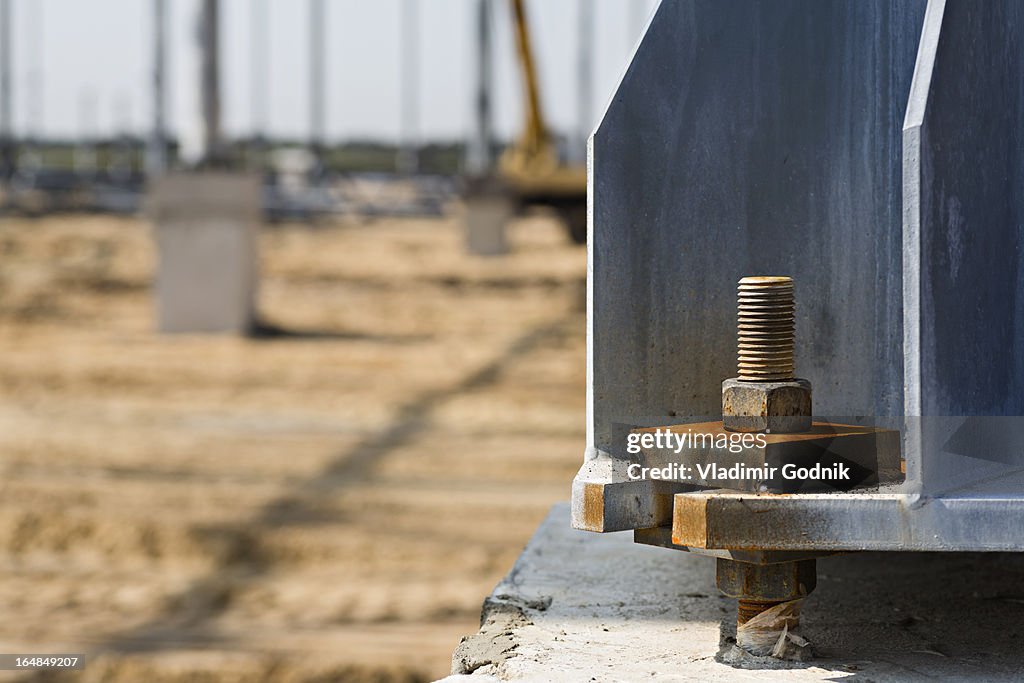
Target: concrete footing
579,607
205,228
487,217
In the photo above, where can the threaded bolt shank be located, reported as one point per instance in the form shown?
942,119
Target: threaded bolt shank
748,609
766,329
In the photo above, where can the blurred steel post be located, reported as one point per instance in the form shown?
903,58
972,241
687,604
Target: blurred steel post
212,150
488,206
259,78
317,83
32,149
156,152
408,153
85,157
6,106
120,162
585,73
478,157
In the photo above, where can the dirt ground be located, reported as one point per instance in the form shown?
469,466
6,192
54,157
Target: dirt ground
328,503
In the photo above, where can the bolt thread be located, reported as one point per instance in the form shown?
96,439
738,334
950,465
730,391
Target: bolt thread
766,329
748,609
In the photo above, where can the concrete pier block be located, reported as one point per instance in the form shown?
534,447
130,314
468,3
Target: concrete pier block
486,220
488,212
205,226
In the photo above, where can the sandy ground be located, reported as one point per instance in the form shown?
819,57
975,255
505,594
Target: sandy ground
331,503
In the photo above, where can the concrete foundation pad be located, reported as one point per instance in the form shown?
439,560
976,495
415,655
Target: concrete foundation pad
579,606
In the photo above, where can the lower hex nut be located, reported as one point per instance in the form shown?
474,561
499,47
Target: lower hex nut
781,407
778,582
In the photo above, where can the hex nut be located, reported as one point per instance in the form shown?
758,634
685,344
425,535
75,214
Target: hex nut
766,582
782,407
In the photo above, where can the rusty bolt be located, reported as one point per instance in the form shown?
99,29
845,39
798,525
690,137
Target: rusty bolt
766,396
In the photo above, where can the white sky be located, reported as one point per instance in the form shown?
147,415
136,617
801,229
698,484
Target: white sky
95,58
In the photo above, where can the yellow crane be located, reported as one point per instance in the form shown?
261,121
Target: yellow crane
531,166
